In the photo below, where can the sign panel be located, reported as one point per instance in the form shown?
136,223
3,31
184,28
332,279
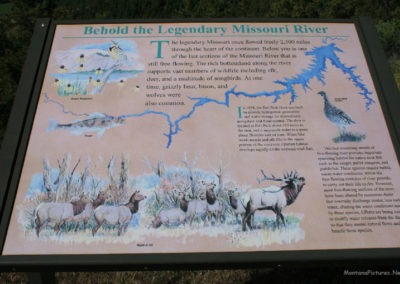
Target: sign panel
206,137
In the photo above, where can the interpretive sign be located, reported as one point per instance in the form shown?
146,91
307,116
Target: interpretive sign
211,137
